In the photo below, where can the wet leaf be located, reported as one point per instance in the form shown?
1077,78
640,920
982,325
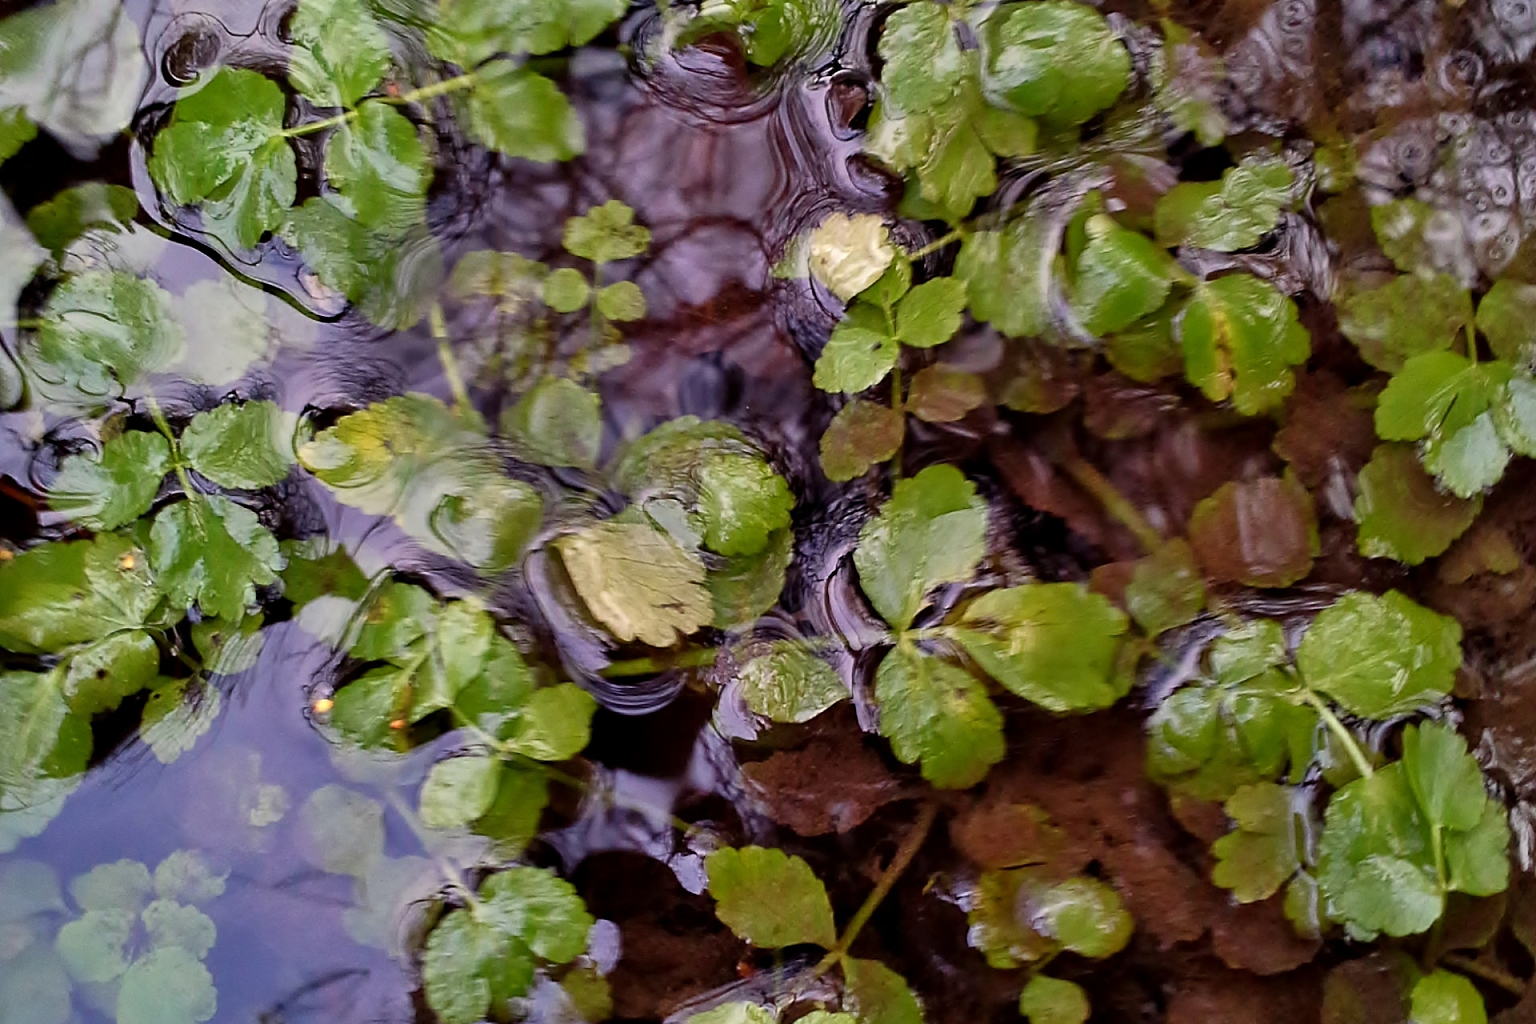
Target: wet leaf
621,302
214,553
1380,863
74,211
1505,316
247,446
186,875
101,332
1380,656
930,313
168,986
339,52
379,165
1165,590
169,924
557,423
458,790
1084,915
75,67
99,677
790,684
878,994
1188,84
770,898
34,988
861,352
1248,650
224,149
938,714
862,435
567,291
468,32
1400,511
60,594
117,486
16,130
1260,854
1051,643
1441,997
1008,273
637,581
1047,1000
773,30
1240,338
931,531
849,254
1234,213
746,586
389,272
606,234
998,927
1448,402
734,1013
345,829
1259,532
1405,317
1120,276
1056,60
176,716
943,394
924,64
742,501
555,724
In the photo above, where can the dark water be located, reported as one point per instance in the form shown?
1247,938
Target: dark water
726,165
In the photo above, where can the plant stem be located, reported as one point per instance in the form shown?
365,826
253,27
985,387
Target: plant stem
934,246
1466,965
1351,747
909,847
899,407
696,658
163,425
439,328
1087,476
426,92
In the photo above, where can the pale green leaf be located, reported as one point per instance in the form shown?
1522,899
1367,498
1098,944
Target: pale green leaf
606,234
770,898
339,52
637,581
1241,337
1234,213
789,684
246,446
1047,1000
557,422
938,714
1380,656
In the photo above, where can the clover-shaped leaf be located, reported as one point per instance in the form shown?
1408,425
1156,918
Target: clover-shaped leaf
1380,656
606,233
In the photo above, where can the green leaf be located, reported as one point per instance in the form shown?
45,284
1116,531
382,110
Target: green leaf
1504,315
523,114
861,352
379,165
742,501
16,130
770,30
540,909
176,716
224,148
1047,1000
1441,997
945,150
746,586
734,1013
101,676
938,714
1380,656
931,531
862,435
1248,650
1008,272
637,581
1188,83
1085,915
1056,59
878,995
412,458
1409,234
214,553
1055,644
849,254
1234,213
1260,854
43,740
123,885
168,986
59,594
789,684
1120,276
1406,317
1447,401
1240,338
554,725
76,67
930,314
101,332
390,275
557,423
1400,511
621,302
1166,589
923,60
567,291
247,446
468,32
339,52
114,487
606,234
74,211
770,898
458,790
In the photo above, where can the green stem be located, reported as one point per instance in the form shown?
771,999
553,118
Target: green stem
1087,476
421,95
594,315
1351,747
899,406
447,871
445,356
697,658
163,425
932,247
909,847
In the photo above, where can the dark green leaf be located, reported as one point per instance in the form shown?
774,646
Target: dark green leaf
99,677
1447,401
938,714
1055,59
469,32
458,790
1228,215
862,351
746,586
339,52
878,994
554,725
214,553
60,594
1400,511
246,446
742,502
1504,315
1121,276
1165,589
770,898
77,210
117,486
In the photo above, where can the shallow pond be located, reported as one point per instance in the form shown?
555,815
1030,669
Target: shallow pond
741,510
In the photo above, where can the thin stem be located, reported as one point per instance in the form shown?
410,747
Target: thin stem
899,406
163,425
697,658
909,847
1466,965
1087,476
595,315
934,246
445,356
1351,747
426,92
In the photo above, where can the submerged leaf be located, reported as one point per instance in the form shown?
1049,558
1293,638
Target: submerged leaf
101,332
116,487
60,594
557,423
606,234
790,684
637,581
